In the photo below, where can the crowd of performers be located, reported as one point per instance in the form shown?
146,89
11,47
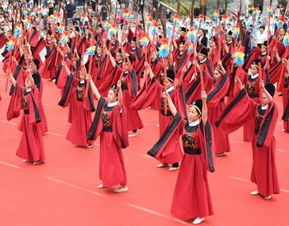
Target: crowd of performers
205,80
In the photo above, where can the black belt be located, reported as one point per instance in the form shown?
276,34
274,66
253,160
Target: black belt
192,151
107,129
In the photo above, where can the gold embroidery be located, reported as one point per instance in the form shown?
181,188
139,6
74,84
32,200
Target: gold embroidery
188,141
105,119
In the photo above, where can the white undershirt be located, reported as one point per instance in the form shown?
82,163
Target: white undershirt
170,89
112,104
203,61
194,123
264,107
254,76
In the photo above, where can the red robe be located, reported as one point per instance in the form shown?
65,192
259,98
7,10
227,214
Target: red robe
49,68
242,109
129,91
216,106
81,107
110,79
31,145
171,153
192,196
194,90
110,123
252,86
3,40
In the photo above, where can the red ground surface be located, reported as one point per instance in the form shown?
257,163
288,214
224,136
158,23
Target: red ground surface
62,192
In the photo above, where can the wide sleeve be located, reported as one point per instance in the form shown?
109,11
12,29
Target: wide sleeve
33,102
148,97
88,102
207,145
15,102
268,125
96,125
67,91
218,92
119,124
174,129
240,110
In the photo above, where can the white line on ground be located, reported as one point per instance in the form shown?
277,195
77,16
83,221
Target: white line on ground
248,181
146,156
156,213
74,186
9,164
55,134
8,122
150,211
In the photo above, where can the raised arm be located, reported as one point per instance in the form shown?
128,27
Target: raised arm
262,86
65,67
112,60
172,107
93,87
119,90
150,72
204,108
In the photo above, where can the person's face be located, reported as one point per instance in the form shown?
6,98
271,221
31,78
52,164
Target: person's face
263,49
212,44
125,66
201,32
254,70
263,99
192,114
28,83
229,39
133,45
118,57
201,57
99,51
217,74
82,73
182,48
261,30
111,96
282,32
183,34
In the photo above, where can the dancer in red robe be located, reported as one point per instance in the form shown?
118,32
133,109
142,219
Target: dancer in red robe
81,106
216,106
31,147
242,109
110,123
129,86
252,86
192,196
171,154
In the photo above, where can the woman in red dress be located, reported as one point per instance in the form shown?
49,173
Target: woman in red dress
171,154
31,147
240,110
192,197
129,86
81,106
110,123
216,106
